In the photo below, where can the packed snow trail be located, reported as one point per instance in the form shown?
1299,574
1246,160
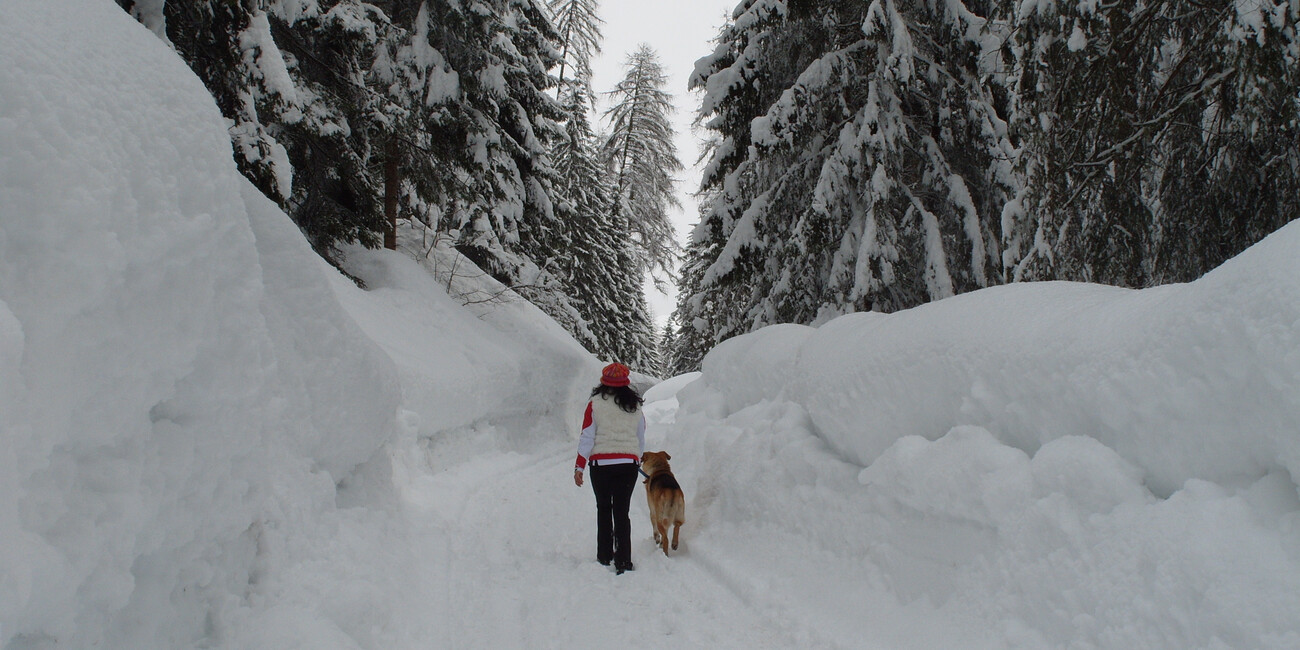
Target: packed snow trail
511,541
505,540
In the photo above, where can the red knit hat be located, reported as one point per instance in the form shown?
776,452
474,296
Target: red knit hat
615,374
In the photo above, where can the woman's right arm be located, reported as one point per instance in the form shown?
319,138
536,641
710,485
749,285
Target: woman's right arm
586,442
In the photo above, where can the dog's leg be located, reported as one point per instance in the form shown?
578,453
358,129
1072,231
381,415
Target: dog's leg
661,534
654,513
677,528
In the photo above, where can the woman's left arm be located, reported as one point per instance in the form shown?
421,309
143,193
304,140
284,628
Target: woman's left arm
640,434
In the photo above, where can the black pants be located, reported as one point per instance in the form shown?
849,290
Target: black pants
613,485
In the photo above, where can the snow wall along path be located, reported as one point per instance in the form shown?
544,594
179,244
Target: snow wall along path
180,393
1199,380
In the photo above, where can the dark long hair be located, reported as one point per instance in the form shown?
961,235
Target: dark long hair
626,398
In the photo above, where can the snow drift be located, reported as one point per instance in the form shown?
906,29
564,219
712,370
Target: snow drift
179,391
498,356
1186,381
1041,466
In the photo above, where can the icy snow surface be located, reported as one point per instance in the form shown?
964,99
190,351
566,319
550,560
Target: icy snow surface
210,438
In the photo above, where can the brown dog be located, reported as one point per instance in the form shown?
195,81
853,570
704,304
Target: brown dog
664,495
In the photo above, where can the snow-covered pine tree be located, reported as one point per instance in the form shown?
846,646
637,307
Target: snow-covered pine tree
667,345
443,101
641,156
635,345
583,198
906,204
605,277
472,135
496,135
581,189
917,149
740,80
578,24
419,137
335,143
1236,178
290,75
873,180
1159,138
706,314
344,110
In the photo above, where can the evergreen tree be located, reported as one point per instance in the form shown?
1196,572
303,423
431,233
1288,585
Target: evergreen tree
705,315
336,144
740,80
294,77
578,24
876,155
349,112
495,125
873,180
581,189
1160,138
667,345
635,342
591,274
642,158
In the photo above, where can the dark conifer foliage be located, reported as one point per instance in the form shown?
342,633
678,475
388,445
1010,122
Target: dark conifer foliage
859,165
1161,138
667,344
578,24
581,189
336,141
591,272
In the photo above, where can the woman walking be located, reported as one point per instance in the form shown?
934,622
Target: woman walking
613,439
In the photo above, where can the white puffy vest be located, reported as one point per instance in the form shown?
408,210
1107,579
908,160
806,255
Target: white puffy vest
615,428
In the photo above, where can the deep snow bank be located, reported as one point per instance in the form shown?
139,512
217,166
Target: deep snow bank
1035,466
1186,381
470,352
179,391
987,471
965,542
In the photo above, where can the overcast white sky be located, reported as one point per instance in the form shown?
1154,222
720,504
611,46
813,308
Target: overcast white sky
681,31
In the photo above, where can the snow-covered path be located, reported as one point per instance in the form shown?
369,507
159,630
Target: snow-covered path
508,540
511,541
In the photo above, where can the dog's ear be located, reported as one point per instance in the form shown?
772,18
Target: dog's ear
667,457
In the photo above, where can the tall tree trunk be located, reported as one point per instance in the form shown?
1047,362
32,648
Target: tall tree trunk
564,58
391,179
